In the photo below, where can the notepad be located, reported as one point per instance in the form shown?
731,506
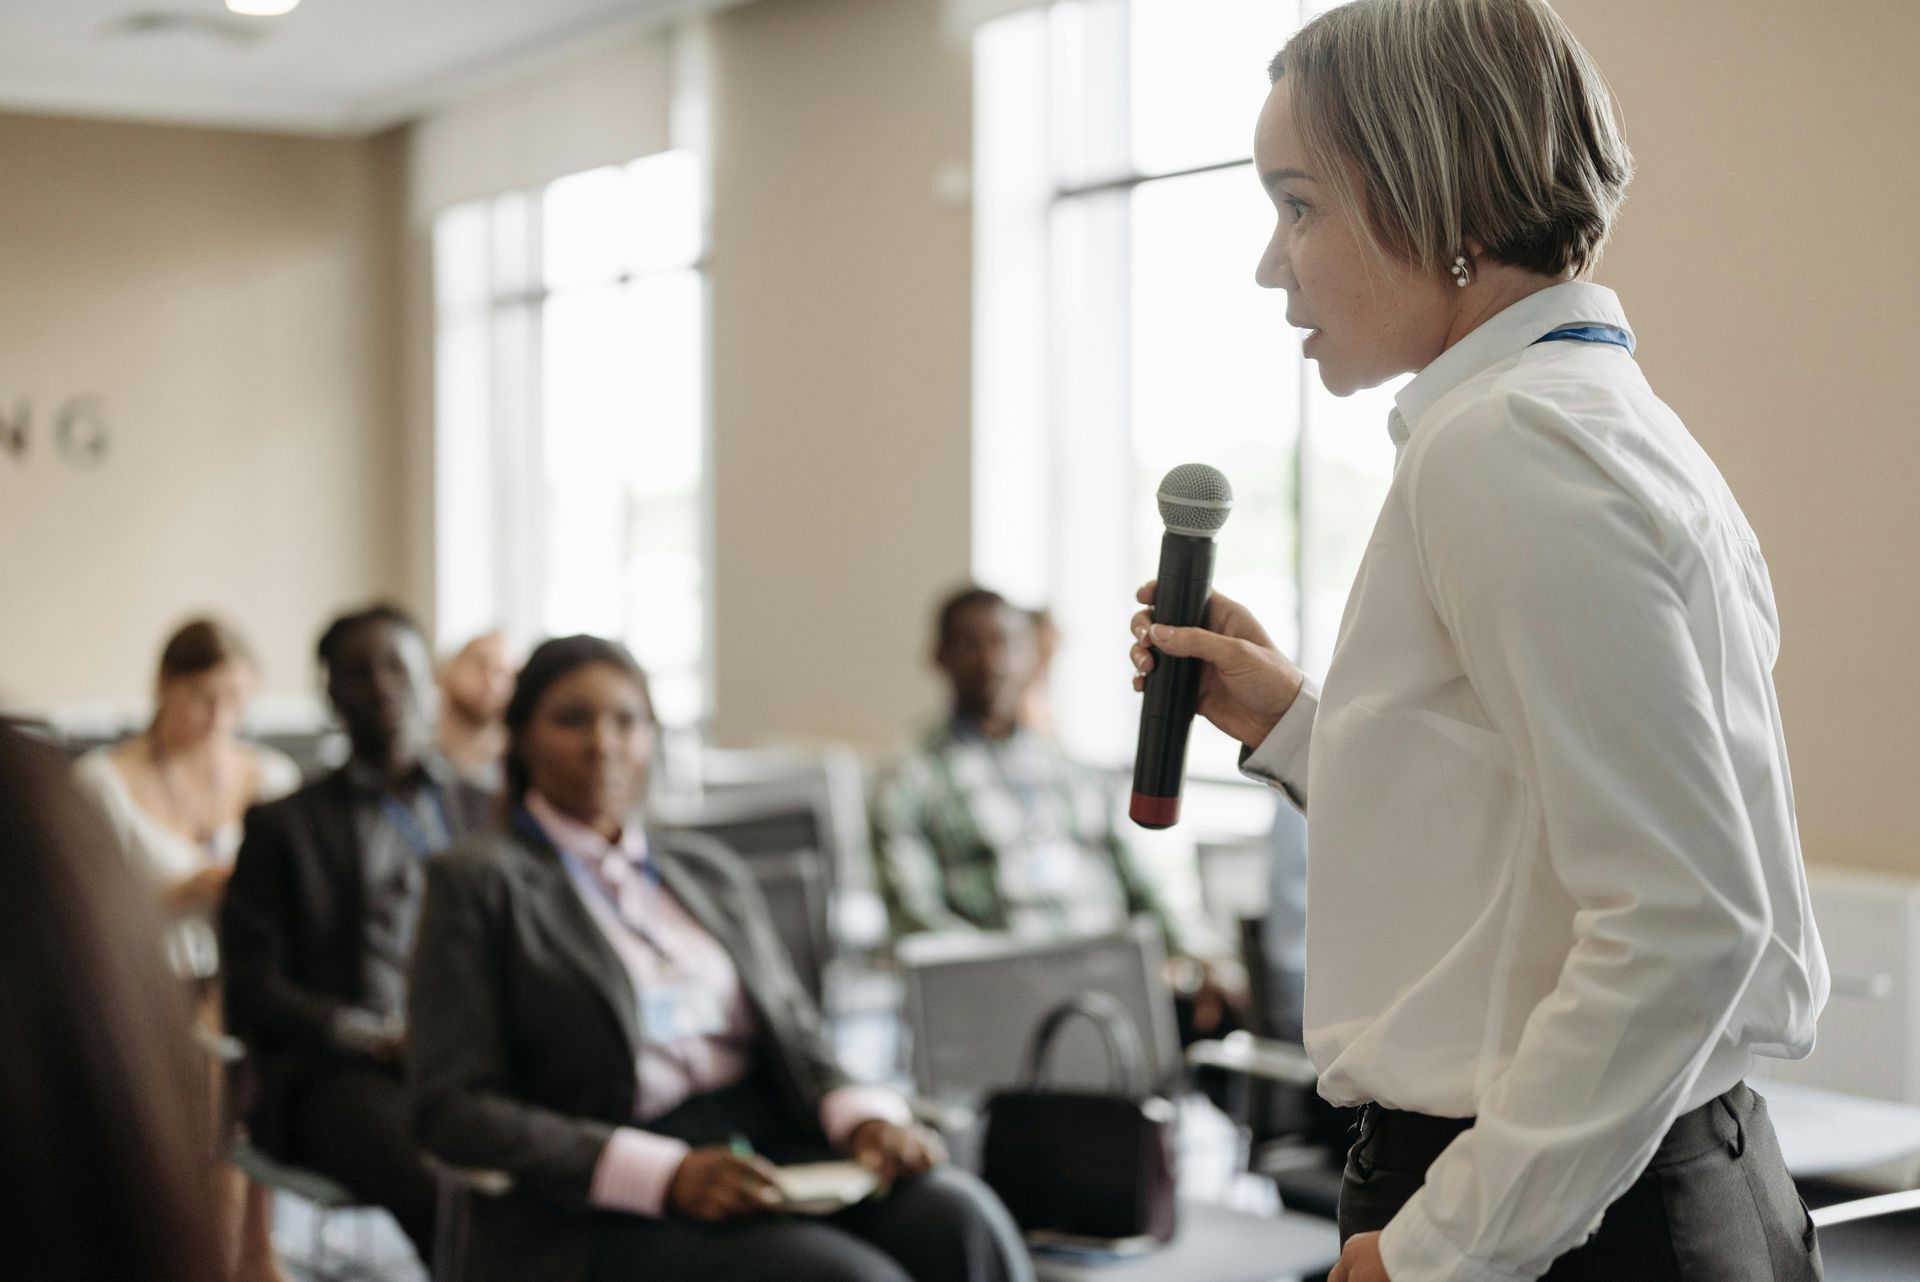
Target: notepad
821,1188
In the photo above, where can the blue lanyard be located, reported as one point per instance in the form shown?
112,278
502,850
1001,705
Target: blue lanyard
586,878
524,822
406,821
1612,334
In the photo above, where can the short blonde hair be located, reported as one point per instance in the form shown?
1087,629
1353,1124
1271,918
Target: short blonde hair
1449,123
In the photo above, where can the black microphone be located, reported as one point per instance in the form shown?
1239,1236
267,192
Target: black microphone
1194,502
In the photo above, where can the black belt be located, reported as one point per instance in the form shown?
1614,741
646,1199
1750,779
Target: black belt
1402,1141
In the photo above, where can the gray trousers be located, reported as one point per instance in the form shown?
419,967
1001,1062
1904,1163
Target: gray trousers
945,1226
1715,1205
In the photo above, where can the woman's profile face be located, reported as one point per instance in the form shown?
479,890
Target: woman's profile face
1370,317
206,704
589,742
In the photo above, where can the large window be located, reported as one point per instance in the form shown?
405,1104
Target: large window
1119,333
571,411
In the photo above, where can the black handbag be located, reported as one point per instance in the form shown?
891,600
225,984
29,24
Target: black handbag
1084,1163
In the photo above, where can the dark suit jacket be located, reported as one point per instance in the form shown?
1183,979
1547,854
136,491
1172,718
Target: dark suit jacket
293,931
525,1032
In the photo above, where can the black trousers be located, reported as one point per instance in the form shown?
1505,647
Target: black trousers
1715,1204
351,1122
944,1226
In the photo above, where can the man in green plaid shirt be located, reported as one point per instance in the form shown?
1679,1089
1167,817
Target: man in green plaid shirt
986,825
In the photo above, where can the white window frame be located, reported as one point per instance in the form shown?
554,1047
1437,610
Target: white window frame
490,503
1051,493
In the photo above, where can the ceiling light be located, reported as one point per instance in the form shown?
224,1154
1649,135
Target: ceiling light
262,8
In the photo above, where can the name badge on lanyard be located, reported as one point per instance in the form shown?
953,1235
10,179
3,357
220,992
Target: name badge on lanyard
677,1011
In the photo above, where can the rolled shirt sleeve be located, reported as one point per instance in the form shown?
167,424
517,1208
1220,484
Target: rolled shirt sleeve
1566,599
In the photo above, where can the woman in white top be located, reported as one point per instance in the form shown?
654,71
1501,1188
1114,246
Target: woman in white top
1556,898
174,796
176,792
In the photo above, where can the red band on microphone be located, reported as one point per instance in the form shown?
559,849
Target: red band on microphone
1154,812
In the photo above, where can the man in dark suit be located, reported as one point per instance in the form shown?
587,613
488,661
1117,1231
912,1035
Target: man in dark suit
317,925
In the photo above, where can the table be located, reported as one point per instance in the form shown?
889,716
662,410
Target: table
1830,1133
1215,1243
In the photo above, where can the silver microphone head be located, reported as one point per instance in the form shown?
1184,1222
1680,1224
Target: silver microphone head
1195,499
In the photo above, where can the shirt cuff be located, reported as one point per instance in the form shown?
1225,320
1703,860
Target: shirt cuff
362,1032
1413,1249
1281,758
634,1171
843,1110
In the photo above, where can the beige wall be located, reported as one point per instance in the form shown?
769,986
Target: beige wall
607,105
603,107
1769,257
230,296
840,347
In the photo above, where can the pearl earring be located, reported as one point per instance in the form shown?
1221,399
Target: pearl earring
1459,271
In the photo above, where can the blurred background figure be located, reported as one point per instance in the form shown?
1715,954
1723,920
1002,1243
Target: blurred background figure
173,797
1036,704
984,824
475,685
109,1173
174,794
318,922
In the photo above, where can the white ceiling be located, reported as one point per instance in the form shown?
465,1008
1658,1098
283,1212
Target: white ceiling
329,67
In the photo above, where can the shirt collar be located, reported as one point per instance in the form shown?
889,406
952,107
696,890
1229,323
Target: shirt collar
961,729
432,769
1497,338
574,838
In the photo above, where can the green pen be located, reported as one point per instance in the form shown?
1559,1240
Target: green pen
742,1148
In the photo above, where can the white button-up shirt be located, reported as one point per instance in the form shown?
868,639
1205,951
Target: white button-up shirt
1554,878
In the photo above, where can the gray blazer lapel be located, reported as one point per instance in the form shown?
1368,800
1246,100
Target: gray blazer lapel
554,903
720,922
806,1063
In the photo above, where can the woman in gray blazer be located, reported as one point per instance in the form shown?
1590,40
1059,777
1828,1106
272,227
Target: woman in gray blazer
608,1016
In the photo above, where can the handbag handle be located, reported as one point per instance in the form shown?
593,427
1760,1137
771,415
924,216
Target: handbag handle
1124,1054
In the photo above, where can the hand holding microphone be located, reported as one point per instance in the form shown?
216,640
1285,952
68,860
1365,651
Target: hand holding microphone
1246,683
1219,661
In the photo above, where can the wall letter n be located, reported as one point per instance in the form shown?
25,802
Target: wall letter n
14,431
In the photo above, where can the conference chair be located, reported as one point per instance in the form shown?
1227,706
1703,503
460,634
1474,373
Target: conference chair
455,1187
780,840
1870,1239
972,1003
972,1000
326,1200
1293,1137
831,780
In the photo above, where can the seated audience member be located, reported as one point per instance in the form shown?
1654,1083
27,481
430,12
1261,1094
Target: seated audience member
607,1015
175,793
475,685
986,825
173,797
105,1159
319,917
1036,700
